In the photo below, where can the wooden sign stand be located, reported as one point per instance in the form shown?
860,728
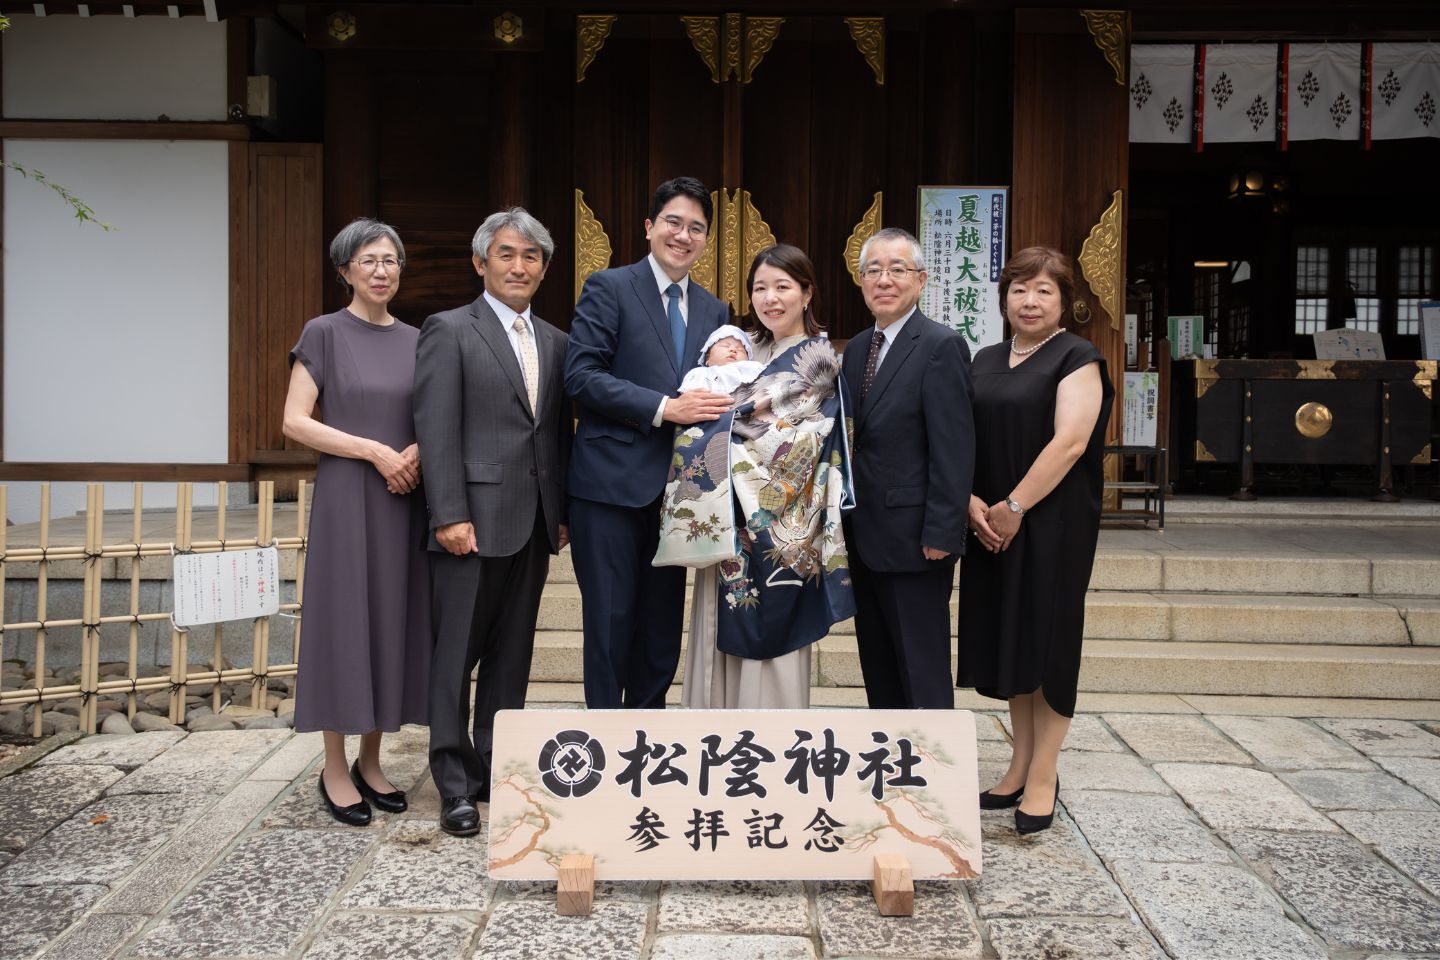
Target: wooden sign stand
575,891
893,885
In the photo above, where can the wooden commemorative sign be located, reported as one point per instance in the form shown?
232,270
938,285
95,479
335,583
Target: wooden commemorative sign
734,794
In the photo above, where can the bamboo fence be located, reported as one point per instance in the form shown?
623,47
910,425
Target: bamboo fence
180,677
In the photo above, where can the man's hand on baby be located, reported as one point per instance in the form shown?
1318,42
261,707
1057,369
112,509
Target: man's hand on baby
696,406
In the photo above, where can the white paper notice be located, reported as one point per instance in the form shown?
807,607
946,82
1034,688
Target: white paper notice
1142,404
233,585
1430,329
1349,344
1132,339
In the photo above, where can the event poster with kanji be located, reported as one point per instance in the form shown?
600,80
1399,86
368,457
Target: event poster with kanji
734,794
962,236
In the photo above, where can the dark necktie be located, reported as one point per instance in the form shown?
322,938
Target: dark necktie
872,360
677,322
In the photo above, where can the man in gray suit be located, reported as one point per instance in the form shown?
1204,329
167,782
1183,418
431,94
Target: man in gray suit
494,424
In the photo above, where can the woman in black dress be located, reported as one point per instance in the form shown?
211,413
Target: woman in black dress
365,648
1042,401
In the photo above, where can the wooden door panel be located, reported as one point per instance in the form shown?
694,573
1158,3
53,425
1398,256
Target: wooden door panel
1070,155
278,259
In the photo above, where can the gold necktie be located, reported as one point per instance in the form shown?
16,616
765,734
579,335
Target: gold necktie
529,365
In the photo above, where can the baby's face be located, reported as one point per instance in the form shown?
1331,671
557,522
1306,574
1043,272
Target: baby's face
725,351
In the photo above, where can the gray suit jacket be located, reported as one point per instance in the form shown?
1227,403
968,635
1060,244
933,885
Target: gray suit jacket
484,456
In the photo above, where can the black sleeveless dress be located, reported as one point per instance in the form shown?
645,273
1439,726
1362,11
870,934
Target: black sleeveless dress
1022,611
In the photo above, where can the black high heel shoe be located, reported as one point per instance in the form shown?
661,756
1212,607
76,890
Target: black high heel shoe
392,802
355,815
999,801
1029,823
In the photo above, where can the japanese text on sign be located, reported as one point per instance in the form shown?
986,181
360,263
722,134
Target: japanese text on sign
734,794
231,585
962,238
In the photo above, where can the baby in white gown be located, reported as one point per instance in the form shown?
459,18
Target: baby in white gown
725,362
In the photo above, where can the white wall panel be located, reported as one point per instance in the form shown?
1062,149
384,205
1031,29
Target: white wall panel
116,343
114,68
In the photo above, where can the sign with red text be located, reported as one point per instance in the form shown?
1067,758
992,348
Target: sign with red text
734,794
231,585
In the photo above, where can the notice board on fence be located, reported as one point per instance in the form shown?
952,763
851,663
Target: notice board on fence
231,585
734,794
962,239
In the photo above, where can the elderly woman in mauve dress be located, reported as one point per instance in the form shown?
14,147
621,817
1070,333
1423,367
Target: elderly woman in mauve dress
365,648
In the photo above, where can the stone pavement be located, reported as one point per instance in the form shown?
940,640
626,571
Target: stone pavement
1182,835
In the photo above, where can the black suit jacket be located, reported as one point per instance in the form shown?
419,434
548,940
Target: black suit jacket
913,445
484,456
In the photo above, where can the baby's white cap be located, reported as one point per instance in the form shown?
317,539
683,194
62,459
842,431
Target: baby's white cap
727,330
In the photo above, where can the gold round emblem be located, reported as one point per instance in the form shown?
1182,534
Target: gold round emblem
509,27
342,26
1313,420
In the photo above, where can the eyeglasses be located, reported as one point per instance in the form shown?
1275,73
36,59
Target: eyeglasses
368,264
898,273
696,229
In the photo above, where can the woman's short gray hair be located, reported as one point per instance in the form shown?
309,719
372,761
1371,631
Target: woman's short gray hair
893,233
360,234
519,220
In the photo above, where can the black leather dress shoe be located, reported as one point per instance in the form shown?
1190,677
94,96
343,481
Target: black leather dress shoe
355,815
458,817
392,802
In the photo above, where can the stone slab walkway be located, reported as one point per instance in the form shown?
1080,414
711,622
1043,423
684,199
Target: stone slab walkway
1181,835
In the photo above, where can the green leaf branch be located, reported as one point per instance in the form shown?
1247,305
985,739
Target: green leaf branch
80,207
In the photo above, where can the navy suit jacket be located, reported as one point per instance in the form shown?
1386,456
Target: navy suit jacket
619,364
913,447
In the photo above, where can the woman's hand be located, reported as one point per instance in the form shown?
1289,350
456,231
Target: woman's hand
1004,522
401,472
980,524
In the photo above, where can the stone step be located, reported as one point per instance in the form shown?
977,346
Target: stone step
1240,618
1276,573
1139,666
1260,669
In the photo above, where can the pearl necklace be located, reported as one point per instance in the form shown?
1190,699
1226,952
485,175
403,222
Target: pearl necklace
1030,350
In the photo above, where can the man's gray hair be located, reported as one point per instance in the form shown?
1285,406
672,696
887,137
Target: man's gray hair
894,233
519,220
360,234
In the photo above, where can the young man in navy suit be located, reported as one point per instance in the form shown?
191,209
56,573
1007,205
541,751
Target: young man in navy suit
913,460
635,332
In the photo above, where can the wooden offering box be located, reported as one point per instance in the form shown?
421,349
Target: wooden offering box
1305,411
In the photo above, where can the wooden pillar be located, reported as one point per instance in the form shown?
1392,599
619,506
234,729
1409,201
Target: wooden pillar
352,153
1071,156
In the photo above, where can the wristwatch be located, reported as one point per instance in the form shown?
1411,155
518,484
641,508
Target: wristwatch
1015,508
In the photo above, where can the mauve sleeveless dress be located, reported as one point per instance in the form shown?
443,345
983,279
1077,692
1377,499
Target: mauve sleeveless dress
365,639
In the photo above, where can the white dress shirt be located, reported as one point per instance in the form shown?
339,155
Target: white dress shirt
507,322
891,333
663,282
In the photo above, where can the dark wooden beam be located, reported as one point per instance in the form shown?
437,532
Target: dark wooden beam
125,472
122,130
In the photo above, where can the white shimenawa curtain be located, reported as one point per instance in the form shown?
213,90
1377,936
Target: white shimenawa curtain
1405,91
1239,92
1162,82
1323,87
